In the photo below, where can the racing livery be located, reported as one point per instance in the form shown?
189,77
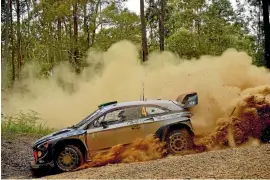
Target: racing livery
117,123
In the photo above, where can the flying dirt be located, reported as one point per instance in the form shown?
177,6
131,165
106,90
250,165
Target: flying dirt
250,116
140,150
243,127
233,94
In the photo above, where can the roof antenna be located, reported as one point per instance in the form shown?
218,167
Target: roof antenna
143,91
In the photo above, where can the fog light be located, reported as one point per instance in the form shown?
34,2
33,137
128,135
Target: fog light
39,153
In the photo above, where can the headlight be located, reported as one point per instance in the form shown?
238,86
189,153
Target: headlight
41,150
39,153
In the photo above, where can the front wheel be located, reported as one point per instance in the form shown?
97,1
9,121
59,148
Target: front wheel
179,141
69,158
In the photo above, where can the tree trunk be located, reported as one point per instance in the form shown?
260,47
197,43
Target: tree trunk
85,25
19,55
76,51
94,22
259,37
59,29
28,17
5,55
100,18
59,37
70,40
51,45
265,5
12,44
161,25
143,27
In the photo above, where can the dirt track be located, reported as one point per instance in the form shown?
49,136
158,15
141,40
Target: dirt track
250,162
15,156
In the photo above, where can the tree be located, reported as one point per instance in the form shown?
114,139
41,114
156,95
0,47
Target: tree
265,6
143,26
161,25
249,16
85,25
19,54
5,55
11,41
76,51
49,32
121,24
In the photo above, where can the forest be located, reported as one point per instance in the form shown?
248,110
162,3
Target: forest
53,31
233,87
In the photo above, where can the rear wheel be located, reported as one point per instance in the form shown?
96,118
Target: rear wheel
69,158
179,141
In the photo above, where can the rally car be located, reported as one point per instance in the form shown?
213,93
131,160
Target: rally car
117,123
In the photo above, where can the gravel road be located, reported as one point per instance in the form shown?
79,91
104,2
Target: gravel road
16,154
252,162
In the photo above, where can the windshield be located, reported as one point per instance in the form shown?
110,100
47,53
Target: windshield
95,113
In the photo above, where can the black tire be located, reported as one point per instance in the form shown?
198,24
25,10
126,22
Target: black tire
72,154
179,141
37,173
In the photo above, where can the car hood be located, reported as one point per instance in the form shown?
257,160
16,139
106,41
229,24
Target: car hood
66,132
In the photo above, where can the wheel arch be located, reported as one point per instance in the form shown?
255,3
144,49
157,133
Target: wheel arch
163,131
72,141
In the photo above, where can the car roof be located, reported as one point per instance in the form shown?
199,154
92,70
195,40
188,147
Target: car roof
162,103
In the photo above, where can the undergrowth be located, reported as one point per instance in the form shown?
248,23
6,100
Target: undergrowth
24,123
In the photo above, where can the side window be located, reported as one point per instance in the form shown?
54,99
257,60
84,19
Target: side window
118,116
131,113
151,110
96,123
113,116
122,115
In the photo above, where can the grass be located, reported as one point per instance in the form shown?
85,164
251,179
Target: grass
28,124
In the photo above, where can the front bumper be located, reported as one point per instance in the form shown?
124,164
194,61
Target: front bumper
40,170
44,160
34,165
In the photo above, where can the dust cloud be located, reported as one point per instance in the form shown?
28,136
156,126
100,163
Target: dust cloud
233,95
65,98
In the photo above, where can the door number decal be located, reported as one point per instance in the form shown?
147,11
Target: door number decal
144,111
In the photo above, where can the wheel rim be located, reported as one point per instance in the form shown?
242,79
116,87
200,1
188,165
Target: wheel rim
68,159
178,142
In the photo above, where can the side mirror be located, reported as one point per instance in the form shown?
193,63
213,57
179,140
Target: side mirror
104,124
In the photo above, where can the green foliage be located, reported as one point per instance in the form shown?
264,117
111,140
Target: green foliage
24,123
198,28
122,25
192,28
182,42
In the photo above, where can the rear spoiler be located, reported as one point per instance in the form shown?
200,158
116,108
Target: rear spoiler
187,100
